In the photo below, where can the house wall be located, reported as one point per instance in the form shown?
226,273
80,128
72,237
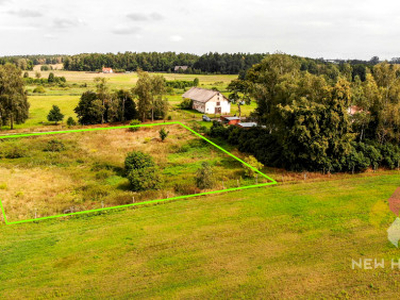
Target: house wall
224,104
199,106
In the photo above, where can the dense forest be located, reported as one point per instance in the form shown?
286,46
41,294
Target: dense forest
327,120
27,62
214,63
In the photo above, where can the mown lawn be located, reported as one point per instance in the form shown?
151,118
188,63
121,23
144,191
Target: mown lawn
285,241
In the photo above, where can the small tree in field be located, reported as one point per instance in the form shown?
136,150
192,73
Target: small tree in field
163,134
205,176
50,79
252,161
71,122
55,115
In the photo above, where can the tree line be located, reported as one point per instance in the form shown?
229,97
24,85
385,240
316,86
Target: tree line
144,101
319,122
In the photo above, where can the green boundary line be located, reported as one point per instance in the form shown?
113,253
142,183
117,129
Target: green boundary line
272,181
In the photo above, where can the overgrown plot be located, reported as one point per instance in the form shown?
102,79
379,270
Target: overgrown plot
73,172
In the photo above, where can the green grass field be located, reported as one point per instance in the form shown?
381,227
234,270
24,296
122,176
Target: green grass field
68,98
285,241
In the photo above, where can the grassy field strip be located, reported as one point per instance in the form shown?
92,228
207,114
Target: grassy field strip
278,242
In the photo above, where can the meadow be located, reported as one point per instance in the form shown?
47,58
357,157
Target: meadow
286,241
67,98
49,175
293,240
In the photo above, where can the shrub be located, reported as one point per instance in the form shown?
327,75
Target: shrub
71,122
252,161
39,90
54,146
134,123
163,134
218,130
138,160
205,176
186,104
145,179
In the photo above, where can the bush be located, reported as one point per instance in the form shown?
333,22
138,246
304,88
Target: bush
54,146
39,90
134,123
145,179
218,130
71,122
252,161
186,104
205,176
163,134
12,150
138,160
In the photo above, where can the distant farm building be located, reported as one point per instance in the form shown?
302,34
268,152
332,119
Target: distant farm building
226,120
180,68
208,101
107,70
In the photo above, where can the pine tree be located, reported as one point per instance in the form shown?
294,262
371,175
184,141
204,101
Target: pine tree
55,115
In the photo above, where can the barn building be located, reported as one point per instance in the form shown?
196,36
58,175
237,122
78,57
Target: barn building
208,101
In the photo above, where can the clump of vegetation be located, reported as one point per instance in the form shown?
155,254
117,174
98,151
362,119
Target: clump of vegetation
142,172
134,123
55,115
71,122
39,90
12,150
252,161
54,146
205,178
186,104
163,134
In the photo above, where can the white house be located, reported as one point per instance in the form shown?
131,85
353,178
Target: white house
208,101
107,70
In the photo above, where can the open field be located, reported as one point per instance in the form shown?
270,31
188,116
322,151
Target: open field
51,174
67,98
278,242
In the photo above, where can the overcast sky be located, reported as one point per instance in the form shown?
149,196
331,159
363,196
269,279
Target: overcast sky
314,28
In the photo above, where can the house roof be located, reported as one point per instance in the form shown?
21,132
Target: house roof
201,95
230,118
107,69
247,124
184,68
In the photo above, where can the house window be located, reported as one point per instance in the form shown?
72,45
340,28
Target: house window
218,103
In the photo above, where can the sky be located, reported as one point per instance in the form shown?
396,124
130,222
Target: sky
314,28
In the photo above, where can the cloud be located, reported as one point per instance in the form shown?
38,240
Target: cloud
126,29
60,23
138,17
4,1
156,16
175,38
25,13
